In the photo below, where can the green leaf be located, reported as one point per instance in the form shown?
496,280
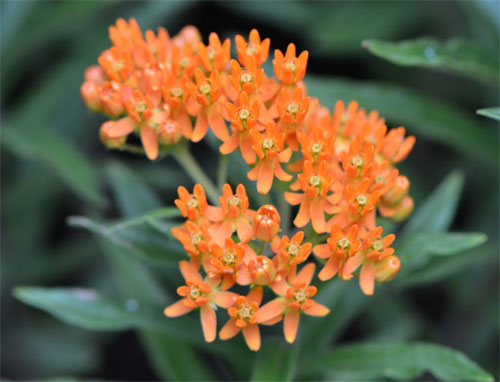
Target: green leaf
146,237
398,361
438,210
456,55
491,112
84,308
275,361
133,196
59,154
422,114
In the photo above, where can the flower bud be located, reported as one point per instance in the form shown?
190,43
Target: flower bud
266,223
404,209
397,192
386,269
112,143
169,132
90,95
95,74
111,98
262,271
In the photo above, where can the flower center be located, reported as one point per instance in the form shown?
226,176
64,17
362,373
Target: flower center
292,250
344,244
234,201
378,246
268,144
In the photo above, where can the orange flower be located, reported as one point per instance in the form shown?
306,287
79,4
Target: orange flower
192,206
358,161
290,69
90,95
110,95
270,150
243,118
207,93
227,261
194,238
374,251
262,270
233,215
175,95
108,140
215,56
340,246
294,299
201,294
253,52
314,202
266,223
396,147
290,252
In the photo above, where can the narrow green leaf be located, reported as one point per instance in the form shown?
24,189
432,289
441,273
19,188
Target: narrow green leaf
84,308
60,155
457,55
275,361
398,361
438,210
421,113
133,196
491,112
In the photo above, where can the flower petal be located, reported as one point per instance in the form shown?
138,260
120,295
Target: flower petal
322,251
317,309
121,127
149,140
272,309
189,271
208,322
229,330
252,336
367,277
329,270
177,309
291,324
255,295
306,274
200,128
223,299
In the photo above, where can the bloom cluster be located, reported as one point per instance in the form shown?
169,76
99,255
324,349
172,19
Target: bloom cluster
340,166
207,236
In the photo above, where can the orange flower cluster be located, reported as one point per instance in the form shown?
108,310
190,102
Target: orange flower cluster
221,243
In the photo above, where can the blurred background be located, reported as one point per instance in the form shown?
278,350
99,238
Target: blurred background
54,166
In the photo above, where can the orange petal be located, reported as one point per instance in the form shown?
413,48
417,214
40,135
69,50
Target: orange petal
244,229
229,330
189,271
223,299
329,270
318,216
255,295
317,310
214,214
281,174
273,321
367,277
252,336
229,145
149,141
272,309
265,177
306,274
322,251
280,287
177,309
200,128
294,198
121,127
303,215
223,232
291,324
208,322
217,124
353,263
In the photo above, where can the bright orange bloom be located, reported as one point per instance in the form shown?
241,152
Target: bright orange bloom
290,69
227,261
199,293
243,118
315,201
290,252
266,223
207,92
215,56
192,206
111,96
194,238
176,95
396,147
233,215
295,298
253,52
270,150
107,139
374,251
340,246
248,79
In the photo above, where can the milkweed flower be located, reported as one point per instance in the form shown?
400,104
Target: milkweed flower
199,293
266,223
289,68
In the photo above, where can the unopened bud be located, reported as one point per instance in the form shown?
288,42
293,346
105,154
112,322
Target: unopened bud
266,223
95,74
398,192
111,98
112,143
262,271
90,95
169,133
404,209
386,269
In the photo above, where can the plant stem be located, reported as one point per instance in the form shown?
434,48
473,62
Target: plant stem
222,171
262,247
133,149
182,154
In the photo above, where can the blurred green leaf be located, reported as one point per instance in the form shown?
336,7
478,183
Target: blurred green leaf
62,156
491,112
438,210
275,361
398,361
84,308
457,55
146,237
422,114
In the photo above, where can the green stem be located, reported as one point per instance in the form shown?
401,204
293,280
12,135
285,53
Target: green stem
285,210
222,171
182,154
133,149
262,247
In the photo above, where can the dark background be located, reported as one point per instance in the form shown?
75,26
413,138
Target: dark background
46,46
